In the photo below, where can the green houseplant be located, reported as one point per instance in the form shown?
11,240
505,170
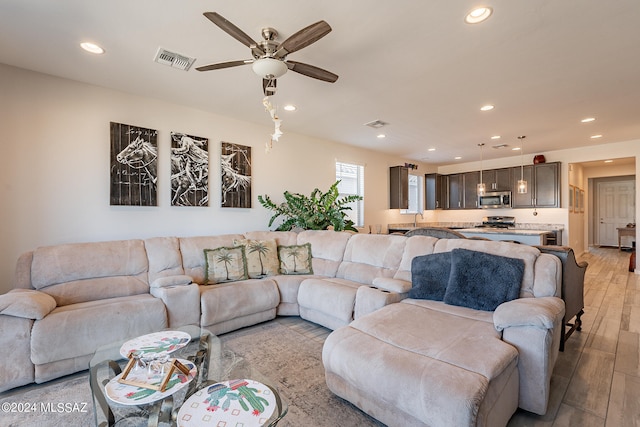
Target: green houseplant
315,212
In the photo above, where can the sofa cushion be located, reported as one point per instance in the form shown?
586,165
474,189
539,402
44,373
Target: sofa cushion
164,257
281,237
53,265
262,257
228,301
191,249
328,249
430,276
483,281
414,246
439,374
79,329
225,264
295,259
527,253
368,256
98,288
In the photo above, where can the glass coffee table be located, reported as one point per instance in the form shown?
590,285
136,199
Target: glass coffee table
217,378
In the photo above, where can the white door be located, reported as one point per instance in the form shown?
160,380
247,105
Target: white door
616,208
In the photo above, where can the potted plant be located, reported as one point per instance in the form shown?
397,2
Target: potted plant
318,211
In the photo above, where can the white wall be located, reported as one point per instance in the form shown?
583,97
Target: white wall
54,183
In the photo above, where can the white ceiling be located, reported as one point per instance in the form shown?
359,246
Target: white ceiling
544,64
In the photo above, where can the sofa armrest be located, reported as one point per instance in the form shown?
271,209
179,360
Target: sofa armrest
392,285
536,312
26,303
182,304
534,327
171,281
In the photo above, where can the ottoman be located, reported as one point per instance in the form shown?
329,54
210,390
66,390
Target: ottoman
424,364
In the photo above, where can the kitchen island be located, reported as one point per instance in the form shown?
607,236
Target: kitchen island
527,237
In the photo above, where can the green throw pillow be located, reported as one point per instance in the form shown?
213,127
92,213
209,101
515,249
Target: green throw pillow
225,264
262,257
295,259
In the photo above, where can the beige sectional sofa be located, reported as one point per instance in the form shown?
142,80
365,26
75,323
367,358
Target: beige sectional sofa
405,361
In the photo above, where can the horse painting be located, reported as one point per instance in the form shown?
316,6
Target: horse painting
140,154
236,186
134,165
189,171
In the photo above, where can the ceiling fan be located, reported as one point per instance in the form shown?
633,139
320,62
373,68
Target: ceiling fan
270,57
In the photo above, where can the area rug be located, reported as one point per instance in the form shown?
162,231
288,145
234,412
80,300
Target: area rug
273,351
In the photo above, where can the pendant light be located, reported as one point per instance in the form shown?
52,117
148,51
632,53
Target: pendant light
522,184
481,186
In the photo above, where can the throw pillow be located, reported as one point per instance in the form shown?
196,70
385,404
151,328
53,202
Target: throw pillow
295,259
225,264
483,281
262,257
430,276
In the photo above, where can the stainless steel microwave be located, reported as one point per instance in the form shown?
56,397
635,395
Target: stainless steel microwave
495,199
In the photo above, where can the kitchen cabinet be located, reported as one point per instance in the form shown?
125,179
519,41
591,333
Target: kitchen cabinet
543,182
470,183
399,187
455,191
497,179
434,191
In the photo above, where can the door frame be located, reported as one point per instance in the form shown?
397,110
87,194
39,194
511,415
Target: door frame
594,211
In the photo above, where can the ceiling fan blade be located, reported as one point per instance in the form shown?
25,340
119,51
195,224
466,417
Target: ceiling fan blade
312,71
269,86
223,65
303,38
232,30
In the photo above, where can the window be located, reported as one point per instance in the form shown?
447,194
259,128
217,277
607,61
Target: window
351,178
416,199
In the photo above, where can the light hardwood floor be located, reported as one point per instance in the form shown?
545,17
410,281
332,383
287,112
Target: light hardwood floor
596,380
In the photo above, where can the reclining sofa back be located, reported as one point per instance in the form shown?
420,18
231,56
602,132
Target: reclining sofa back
81,272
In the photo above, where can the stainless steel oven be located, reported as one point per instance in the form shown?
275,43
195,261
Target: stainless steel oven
495,199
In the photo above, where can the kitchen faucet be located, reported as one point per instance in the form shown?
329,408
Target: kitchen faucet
415,218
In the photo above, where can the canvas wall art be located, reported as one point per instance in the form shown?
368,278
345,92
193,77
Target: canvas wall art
189,170
235,167
134,165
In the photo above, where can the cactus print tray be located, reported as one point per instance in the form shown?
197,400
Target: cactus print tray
125,394
236,402
157,344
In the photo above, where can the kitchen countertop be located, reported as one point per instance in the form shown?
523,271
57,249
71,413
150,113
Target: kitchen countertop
458,226
513,231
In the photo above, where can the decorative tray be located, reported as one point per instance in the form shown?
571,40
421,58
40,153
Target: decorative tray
125,394
236,402
157,344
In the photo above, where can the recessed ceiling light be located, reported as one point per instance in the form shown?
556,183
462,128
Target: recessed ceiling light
290,107
478,15
487,108
92,48
495,137
382,135
608,161
588,119
596,136
515,149
457,158
431,149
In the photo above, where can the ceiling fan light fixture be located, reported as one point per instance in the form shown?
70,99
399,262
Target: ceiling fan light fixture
269,68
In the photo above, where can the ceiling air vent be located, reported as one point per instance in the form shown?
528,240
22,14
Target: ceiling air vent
174,60
376,124
499,146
